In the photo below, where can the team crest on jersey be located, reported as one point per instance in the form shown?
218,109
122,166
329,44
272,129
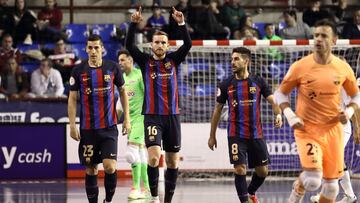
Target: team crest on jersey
107,78
252,90
167,65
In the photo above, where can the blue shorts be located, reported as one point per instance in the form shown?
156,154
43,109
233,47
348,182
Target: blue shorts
98,144
165,128
255,150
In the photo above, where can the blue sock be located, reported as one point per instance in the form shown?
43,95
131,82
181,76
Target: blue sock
110,185
241,187
92,189
170,183
153,173
255,183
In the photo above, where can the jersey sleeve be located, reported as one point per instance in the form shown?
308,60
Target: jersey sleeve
350,85
265,88
118,76
221,95
74,80
291,79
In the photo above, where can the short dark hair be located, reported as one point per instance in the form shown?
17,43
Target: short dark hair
49,62
326,22
268,24
160,33
93,37
123,51
242,50
291,12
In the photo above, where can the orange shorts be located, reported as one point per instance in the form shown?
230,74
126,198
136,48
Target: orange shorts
321,147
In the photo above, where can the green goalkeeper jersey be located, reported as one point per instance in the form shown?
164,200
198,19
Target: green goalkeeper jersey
135,90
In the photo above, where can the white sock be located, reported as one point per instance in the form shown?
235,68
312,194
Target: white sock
346,184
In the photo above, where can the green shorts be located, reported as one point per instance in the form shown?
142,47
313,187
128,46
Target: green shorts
137,131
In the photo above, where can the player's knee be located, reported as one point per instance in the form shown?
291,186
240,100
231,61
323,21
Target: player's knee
132,155
330,189
262,173
311,180
172,163
153,161
91,170
240,169
109,168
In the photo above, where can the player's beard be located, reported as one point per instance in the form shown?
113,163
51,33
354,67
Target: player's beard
159,53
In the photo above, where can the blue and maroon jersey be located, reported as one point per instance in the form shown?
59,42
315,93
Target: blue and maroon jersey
159,76
243,98
97,93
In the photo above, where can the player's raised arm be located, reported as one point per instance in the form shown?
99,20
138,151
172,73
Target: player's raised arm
137,55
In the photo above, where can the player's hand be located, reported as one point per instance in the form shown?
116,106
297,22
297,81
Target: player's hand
136,17
74,133
343,117
298,125
126,127
212,143
178,16
278,121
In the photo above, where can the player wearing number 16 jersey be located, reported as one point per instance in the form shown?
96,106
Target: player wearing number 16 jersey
242,91
161,102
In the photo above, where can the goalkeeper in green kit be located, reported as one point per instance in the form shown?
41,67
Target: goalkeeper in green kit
136,153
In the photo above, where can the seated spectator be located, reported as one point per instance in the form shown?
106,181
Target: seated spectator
49,21
208,25
245,34
25,20
7,51
270,35
185,7
314,13
63,60
14,82
7,22
247,22
232,13
46,81
294,29
338,12
156,22
352,30
270,32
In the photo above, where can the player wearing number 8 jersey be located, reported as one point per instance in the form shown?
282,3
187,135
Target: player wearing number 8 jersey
242,91
161,102
318,78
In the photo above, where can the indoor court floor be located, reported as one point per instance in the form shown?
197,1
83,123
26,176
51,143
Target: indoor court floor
187,191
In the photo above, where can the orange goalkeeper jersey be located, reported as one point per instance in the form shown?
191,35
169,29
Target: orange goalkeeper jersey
318,86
